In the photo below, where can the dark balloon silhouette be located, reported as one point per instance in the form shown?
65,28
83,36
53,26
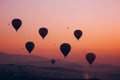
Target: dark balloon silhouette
53,61
90,57
29,46
43,32
65,49
67,27
16,23
78,34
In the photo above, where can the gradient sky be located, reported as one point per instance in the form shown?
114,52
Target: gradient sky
98,19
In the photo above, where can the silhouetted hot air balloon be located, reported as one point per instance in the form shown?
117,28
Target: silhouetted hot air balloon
43,32
29,46
65,49
67,27
53,61
90,57
78,34
16,23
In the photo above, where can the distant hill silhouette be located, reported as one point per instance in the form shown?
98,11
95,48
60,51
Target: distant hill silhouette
8,59
33,60
29,67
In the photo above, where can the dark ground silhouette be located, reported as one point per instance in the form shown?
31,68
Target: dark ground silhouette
20,72
22,67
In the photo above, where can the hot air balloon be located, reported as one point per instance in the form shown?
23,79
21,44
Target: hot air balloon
67,27
29,46
78,34
53,61
43,32
90,57
65,49
16,23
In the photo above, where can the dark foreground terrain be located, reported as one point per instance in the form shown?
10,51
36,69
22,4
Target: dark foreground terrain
30,72
22,67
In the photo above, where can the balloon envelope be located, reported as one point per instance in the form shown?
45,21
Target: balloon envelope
53,61
65,49
78,34
16,23
67,27
43,32
29,46
90,57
